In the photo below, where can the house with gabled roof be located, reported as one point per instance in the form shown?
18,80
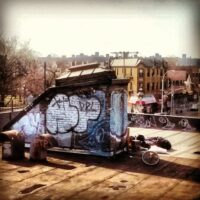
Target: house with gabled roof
144,73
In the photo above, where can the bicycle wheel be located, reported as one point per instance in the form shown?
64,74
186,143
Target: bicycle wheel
150,158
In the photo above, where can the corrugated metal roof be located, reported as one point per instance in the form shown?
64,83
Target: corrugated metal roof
81,70
85,73
127,62
84,66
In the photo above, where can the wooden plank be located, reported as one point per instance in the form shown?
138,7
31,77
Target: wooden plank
45,179
164,133
155,186
4,166
187,162
135,185
114,186
24,169
190,142
188,153
153,132
185,148
22,173
69,187
143,131
186,189
183,190
183,138
151,188
86,177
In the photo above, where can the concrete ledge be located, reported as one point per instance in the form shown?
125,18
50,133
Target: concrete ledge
6,116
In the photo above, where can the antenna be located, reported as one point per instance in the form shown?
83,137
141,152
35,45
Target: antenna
124,54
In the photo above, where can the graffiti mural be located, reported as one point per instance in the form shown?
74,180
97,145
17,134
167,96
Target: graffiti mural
164,122
185,124
99,138
118,116
144,122
31,124
69,115
95,122
65,114
60,116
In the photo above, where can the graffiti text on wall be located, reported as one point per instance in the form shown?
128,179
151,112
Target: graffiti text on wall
71,113
164,122
30,124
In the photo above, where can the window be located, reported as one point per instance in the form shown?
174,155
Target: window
153,72
141,73
148,72
161,72
148,86
116,71
131,72
131,86
153,85
124,71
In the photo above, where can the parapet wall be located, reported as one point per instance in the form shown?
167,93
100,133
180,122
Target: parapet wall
6,116
165,122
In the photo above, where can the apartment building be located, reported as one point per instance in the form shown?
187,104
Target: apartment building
188,98
145,74
188,64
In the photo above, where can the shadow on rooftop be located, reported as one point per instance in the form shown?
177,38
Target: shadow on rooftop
170,167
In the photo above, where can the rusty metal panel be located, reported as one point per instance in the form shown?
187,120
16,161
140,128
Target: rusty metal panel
39,146
118,118
13,144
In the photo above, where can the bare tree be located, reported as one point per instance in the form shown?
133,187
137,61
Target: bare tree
22,71
52,72
15,60
33,82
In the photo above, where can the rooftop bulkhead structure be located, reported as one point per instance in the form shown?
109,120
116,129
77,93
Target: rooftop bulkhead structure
86,112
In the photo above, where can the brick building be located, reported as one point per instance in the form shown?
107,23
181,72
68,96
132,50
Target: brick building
144,74
186,92
190,65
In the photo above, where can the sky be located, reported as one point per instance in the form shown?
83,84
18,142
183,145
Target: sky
167,27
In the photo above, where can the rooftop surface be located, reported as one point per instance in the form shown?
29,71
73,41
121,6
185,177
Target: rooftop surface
73,176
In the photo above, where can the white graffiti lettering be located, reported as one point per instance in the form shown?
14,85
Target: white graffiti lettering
67,113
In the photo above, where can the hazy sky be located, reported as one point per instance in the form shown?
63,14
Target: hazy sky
168,27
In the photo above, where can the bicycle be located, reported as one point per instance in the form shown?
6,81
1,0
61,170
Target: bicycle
148,157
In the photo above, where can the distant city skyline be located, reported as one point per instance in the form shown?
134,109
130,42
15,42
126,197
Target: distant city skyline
169,28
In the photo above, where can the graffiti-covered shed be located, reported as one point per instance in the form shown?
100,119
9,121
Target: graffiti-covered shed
85,112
